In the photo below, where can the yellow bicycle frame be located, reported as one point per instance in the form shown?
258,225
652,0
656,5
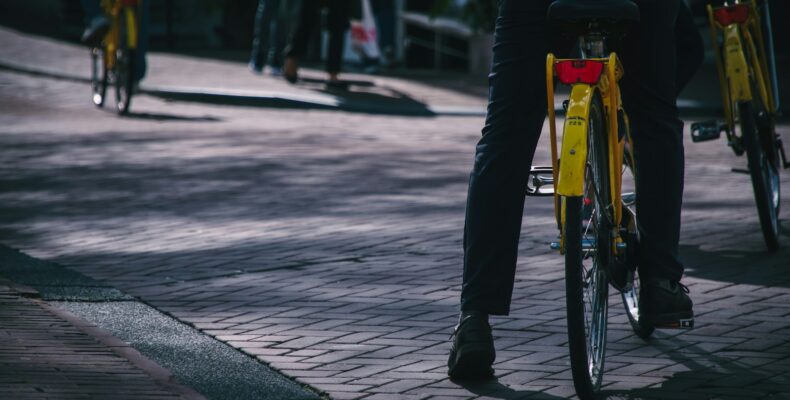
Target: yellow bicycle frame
117,9
570,167
735,68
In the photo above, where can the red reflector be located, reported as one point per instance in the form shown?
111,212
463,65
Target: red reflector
736,14
131,3
587,201
579,71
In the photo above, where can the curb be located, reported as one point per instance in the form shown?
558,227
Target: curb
320,101
159,374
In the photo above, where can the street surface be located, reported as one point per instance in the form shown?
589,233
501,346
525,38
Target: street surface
328,244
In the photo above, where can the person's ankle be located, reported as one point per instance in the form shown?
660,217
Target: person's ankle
474,314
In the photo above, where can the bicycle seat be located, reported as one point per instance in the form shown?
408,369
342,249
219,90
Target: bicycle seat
599,16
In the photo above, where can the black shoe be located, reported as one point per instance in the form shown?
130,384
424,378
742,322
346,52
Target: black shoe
473,351
96,31
666,304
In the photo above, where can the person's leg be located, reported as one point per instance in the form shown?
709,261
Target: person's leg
144,21
297,47
689,48
650,86
654,76
96,24
384,11
495,201
260,35
337,22
279,37
91,9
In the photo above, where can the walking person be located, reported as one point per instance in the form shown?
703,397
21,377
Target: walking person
660,55
269,37
309,20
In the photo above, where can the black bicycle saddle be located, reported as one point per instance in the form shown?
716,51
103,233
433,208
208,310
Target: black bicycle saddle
605,16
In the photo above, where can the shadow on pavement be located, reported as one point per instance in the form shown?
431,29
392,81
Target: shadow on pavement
758,267
170,117
497,390
700,375
350,96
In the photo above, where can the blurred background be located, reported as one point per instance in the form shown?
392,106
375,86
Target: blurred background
413,34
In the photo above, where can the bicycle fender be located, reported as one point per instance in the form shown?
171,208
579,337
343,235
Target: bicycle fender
573,156
131,27
736,65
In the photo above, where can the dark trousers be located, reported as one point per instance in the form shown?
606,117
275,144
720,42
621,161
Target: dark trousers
659,56
309,19
269,34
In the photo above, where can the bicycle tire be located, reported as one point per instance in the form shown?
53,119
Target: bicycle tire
764,172
586,289
98,77
630,297
124,69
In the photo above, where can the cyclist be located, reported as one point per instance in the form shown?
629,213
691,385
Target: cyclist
660,55
97,25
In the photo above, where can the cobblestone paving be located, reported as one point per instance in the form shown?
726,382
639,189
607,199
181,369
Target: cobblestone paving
43,356
329,246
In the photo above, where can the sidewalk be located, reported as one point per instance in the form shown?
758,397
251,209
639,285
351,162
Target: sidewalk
327,244
189,79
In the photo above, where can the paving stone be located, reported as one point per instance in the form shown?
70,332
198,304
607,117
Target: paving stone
329,244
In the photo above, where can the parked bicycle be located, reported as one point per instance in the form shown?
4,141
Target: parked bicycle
743,50
113,62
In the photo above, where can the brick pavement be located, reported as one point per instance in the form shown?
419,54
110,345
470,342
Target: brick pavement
45,354
328,245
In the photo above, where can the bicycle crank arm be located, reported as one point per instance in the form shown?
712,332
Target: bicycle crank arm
587,245
781,145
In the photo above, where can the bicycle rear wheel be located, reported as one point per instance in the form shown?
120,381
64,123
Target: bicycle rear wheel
98,76
587,254
630,235
762,154
124,67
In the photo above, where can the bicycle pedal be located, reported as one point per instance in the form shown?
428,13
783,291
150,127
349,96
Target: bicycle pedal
736,144
706,130
679,324
629,199
740,170
780,144
540,182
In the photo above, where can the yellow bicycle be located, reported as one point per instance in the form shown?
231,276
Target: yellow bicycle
750,102
113,62
592,181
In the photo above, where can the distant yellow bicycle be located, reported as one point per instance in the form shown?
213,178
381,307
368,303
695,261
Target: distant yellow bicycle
750,102
113,62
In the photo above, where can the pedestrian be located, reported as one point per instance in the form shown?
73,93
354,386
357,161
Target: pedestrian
660,56
308,20
97,25
269,37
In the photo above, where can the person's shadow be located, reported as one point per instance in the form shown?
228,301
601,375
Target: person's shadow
493,388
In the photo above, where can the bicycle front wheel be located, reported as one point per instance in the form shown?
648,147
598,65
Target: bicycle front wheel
124,65
588,248
98,76
763,158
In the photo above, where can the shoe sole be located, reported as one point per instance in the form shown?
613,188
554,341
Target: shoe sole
472,361
681,320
